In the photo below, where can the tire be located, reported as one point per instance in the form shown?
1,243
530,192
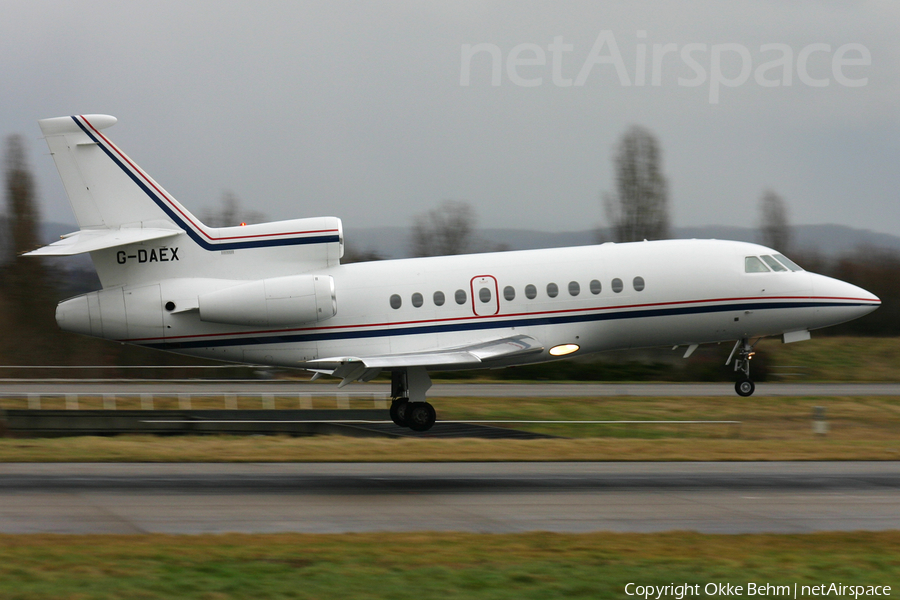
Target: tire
420,416
745,387
399,412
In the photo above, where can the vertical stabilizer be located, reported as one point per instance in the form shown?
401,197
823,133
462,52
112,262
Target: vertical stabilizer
106,189
137,233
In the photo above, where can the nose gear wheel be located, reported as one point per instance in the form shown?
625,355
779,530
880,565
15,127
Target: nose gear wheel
742,353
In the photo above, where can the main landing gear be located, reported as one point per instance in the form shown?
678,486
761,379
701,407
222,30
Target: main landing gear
409,408
744,351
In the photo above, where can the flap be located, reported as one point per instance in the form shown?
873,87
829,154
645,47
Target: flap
89,240
475,355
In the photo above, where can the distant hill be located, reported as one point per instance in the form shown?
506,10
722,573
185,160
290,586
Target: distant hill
829,240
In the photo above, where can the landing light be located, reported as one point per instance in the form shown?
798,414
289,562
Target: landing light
563,349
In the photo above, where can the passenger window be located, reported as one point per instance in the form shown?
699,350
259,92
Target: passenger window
417,300
574,288
396,301
552,290
617,285
509,293
439,298
638,284
788,262
530,292
596,287
484,294
776,266
460,296
754,265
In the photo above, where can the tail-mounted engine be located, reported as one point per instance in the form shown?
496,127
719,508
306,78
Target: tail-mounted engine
141,313
275,302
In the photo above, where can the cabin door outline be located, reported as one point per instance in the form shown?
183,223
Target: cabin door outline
479,306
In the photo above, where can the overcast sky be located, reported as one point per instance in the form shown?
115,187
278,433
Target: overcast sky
375,111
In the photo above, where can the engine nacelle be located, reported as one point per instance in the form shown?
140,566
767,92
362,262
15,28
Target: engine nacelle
275,302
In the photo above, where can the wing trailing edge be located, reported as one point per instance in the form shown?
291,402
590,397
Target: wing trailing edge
356,368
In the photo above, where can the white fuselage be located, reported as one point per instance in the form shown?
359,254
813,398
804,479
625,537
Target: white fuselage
693,292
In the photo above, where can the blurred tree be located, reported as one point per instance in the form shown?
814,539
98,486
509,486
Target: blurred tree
22,210
811,259
638,210
352,255
28,296
447,229
230,213
5,242
774,228
876,270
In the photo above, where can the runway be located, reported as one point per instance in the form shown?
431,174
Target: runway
780,497
441,390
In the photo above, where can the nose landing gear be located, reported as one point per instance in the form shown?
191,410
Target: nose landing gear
744,351
745,387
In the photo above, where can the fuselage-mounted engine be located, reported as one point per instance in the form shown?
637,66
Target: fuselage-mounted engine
275,302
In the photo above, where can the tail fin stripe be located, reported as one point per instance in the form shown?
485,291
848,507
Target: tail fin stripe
134,170
194,230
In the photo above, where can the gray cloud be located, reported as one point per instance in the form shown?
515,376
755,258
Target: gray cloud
355,109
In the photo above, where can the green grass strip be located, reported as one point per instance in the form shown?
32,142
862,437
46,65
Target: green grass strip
425,565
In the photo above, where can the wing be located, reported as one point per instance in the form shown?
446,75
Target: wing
499,352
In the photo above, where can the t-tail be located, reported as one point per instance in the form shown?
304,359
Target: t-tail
154,257
136,231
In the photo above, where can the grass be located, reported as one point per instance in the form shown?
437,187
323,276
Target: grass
762,418
347,449
428,565
847,359
844,359
773,428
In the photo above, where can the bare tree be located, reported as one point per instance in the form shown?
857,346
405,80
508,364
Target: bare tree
638,210
447,229
230,213
352,255
774,228
26,289
22,210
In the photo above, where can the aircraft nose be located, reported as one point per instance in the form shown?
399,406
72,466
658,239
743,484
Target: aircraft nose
843,301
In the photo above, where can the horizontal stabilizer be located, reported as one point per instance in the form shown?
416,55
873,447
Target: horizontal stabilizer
89,240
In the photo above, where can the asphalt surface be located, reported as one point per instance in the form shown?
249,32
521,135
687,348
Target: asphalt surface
446,390
782,497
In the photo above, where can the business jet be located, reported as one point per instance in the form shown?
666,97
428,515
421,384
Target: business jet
276,293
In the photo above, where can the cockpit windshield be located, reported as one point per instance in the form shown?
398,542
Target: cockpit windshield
788,262
773,264
766,263
752,264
